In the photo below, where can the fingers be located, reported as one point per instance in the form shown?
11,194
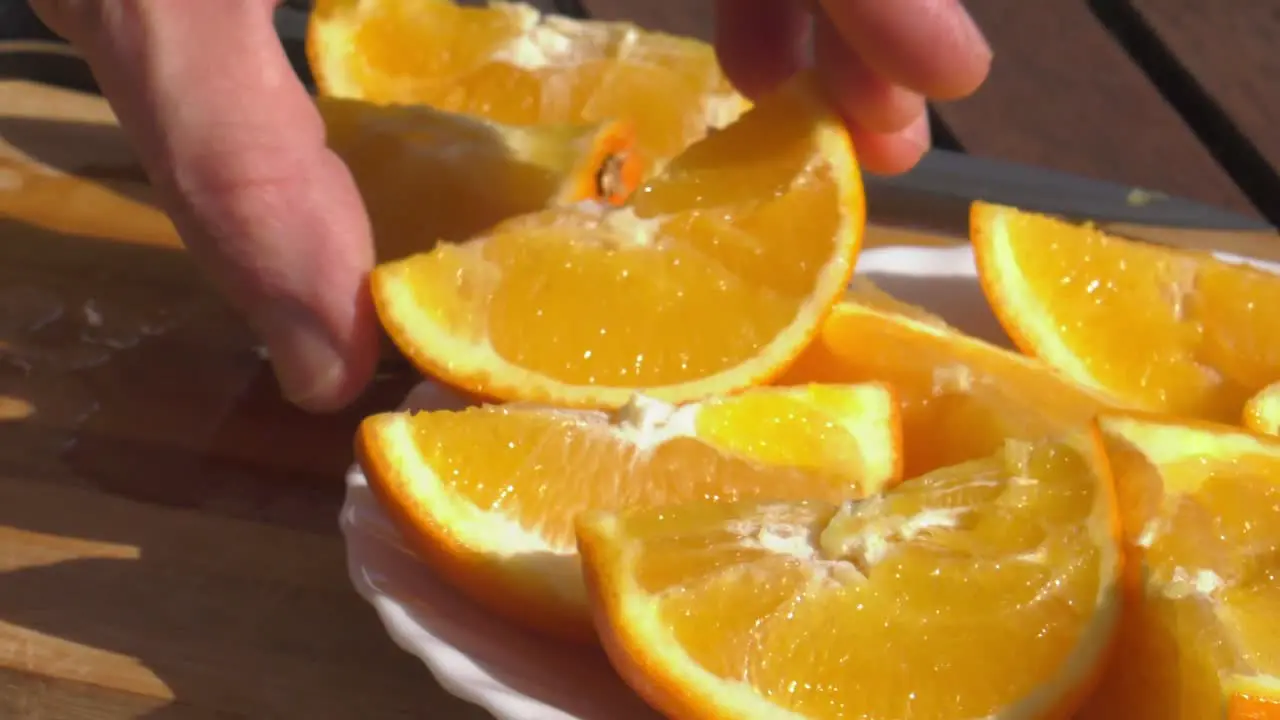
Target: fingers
878,60
930,46
893,152
760,43
866,98
887,122
235,148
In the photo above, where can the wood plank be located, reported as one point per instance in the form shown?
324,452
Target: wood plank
1064,94
32,696
197,615
1229,52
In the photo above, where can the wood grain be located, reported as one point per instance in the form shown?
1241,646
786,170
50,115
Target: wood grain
105,323
1229,49
1064,94
205,614
168,541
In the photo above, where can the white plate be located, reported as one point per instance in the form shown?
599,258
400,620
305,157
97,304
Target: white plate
519,677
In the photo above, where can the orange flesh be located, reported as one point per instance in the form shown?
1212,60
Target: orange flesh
961,397
707,265
992,560
470,34
502,63
540,468
1167,331
1262,412
427,176
1207,531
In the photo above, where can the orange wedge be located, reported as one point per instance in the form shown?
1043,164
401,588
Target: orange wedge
487,496
509,63
961,396
712,278
1262,412
427,175
985,590
1157,329
1201,510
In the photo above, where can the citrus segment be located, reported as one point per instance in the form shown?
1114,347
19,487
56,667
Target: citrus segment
984,590
509,63
1262,411
426,175
1201,510
710,279
1158,329
961,397
488,495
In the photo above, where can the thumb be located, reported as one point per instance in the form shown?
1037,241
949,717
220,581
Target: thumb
235,149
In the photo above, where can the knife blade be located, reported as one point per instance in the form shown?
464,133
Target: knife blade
933,200
949,181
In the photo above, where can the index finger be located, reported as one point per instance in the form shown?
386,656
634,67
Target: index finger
930,46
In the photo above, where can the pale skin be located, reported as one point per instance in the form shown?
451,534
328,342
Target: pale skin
235,147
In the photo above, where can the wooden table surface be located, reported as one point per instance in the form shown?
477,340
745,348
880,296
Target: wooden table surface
168,537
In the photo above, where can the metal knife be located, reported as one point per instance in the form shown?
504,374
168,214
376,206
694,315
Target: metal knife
934,198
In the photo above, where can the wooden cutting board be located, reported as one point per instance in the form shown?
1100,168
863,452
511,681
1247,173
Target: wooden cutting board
168,543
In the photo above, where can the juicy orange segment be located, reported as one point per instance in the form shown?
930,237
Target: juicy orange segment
509,63
1262,412
1201,510
984,590
1156,328
710,279
961,397
426,175
488,495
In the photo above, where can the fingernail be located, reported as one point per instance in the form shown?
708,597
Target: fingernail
307,365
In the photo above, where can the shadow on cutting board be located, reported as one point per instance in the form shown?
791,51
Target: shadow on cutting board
135,423
139,430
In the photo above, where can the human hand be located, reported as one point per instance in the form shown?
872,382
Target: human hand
235,149
879,59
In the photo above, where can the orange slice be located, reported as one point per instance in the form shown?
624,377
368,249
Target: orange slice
1201,510
488,495
507,62
985,590
427,175
1262,412
712,278
961,397
1158,329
